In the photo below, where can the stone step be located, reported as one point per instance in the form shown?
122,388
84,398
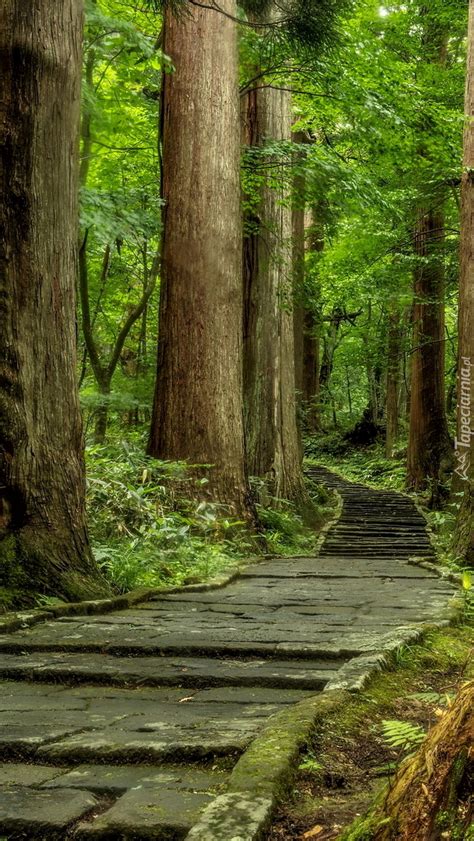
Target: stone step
167,671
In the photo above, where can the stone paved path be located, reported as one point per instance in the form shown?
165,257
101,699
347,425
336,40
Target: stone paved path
126,725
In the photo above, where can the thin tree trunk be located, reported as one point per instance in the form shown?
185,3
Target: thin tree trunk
311,338
43,538
197,413
330,342
464,462
269,370
101,415
311,371
393,381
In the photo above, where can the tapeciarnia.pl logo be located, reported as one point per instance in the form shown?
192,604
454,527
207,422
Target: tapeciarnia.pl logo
462,445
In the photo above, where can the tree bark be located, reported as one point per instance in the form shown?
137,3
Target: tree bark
43,539
298,257
429,445
431,791
197,412
311,335
311,371
269,369
463,484
394,350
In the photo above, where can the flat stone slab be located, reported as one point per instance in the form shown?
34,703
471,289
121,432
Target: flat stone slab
16,774
164,745
149,813
32,812
26,738
114,779
233,817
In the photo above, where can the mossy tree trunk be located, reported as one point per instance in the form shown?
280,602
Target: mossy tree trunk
43,538
431,792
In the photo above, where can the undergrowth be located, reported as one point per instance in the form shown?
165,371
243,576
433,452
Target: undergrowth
146,529
368,465
355,751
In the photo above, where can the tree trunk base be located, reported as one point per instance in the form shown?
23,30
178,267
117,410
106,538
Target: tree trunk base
32,563
431,795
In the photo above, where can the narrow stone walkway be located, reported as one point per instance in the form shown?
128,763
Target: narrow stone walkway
126,725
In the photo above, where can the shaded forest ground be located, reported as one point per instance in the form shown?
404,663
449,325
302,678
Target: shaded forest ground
340,773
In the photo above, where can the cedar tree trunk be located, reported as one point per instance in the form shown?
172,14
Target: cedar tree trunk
269,359
464,462
197,413
394,349
43,538
429,446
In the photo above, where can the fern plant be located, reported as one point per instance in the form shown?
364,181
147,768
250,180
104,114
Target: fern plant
402,734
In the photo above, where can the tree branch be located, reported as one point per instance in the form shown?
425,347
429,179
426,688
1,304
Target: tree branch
133,317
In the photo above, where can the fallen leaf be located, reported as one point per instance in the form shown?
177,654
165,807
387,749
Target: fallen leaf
312,833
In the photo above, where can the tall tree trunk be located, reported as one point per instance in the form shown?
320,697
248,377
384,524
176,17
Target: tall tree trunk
197,413
429,446
311,335
464,462
311,371
394,349
298,257
269,370
43,538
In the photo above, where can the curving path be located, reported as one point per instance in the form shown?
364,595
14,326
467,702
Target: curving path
126,725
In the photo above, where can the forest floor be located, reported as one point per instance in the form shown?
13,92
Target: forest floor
129,724
340,774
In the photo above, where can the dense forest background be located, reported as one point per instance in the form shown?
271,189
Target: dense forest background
309,309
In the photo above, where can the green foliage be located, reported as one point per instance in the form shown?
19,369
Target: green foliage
147,530
363,829
402,734
310,764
